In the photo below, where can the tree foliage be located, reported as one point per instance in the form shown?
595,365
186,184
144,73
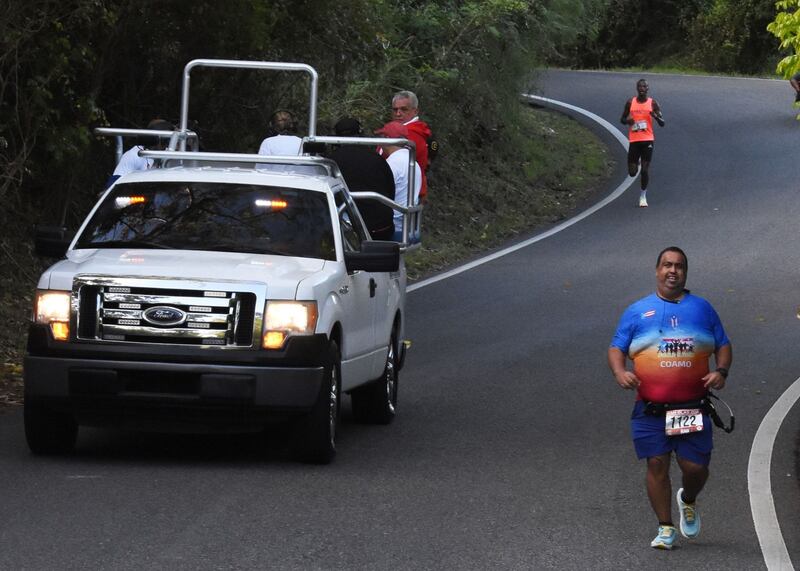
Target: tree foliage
715,35
730,36
643,32
67,66
46,88
574,26
786,27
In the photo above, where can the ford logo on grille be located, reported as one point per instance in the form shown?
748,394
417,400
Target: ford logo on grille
164,315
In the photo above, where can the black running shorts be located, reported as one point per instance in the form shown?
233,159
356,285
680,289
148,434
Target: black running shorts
640,150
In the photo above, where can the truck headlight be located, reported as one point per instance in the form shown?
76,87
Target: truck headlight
286,318
52,308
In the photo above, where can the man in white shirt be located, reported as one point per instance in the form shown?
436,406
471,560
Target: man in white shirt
398,159
283,141
131,161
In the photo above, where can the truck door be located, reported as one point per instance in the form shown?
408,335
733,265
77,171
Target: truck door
360,296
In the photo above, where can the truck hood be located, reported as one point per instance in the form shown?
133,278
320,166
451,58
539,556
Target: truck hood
280,274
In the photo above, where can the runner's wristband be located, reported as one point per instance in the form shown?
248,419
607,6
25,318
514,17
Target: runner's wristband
723,371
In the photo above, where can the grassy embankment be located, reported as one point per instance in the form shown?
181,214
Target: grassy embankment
555,165
551,164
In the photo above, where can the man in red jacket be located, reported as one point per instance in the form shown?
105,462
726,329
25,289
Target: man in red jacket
405,110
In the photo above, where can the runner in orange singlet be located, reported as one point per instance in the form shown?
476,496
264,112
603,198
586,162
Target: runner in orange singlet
638,115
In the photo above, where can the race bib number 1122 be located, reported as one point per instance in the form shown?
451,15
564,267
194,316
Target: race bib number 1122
683,421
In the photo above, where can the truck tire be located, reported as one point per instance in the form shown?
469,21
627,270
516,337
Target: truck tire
376,403
49,432
317,431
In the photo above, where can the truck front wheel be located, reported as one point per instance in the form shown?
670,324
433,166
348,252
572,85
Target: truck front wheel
317,434
376,403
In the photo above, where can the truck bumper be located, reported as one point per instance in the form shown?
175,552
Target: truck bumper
166,396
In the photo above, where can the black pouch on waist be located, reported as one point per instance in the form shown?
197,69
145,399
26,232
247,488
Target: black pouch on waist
660,408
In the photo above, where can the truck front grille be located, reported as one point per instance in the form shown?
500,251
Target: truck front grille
166,316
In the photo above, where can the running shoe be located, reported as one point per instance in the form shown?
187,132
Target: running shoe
642,202
690,519
665,538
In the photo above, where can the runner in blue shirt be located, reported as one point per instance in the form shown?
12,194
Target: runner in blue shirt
670,336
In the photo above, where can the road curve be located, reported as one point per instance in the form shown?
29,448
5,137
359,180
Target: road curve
754,128
721,189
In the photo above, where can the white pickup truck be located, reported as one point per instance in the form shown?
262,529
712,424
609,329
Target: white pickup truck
219,292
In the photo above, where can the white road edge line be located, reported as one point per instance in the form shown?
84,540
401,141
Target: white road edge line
759,482
556,229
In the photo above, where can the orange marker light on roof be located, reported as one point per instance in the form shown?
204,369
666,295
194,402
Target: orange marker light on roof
125,201
273,204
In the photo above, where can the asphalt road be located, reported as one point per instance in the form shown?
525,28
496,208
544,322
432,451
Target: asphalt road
511,448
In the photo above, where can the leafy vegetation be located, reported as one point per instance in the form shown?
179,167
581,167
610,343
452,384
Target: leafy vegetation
786,27
69,66
731,37
727,36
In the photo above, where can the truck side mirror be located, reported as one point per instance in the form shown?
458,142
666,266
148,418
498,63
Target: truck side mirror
375,256
52,241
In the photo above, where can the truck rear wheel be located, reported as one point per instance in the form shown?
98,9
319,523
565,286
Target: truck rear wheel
49,432
376,403
317,434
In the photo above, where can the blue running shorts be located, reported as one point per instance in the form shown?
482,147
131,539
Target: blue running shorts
649,438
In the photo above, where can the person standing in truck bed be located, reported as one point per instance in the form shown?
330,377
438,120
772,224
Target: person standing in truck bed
365,171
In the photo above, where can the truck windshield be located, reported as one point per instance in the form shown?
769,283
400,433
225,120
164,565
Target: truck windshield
213,216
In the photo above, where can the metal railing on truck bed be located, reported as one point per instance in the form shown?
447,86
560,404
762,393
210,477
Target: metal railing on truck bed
176,150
